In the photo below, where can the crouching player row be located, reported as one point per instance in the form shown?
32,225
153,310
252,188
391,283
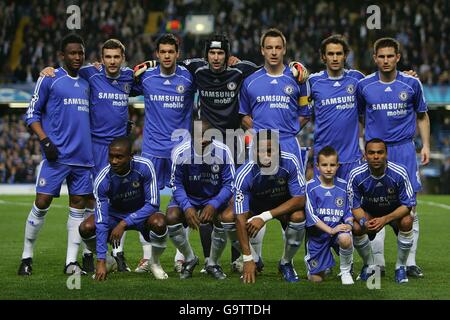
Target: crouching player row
127,198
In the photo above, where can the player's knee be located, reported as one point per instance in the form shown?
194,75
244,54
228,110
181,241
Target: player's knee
174,216
357,230
43,201
316,278
406,223
227,216
297,216
87,227
158,223
77,202
345,241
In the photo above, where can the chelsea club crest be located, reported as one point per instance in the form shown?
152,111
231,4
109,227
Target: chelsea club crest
403,96
180,88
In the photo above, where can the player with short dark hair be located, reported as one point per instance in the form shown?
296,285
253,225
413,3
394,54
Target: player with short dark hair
59,115
380,193
127,199
202,180
329,220
269,185
393,105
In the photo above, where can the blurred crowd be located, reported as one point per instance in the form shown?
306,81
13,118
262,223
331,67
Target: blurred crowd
420,25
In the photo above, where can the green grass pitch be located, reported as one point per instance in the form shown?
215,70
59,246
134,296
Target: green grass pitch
49,282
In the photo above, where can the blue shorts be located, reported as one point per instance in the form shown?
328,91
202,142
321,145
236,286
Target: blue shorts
52,175
405,154
101,157
198,205
344,169
318,256
163,169
114,220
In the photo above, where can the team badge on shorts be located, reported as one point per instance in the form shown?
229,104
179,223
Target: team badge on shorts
403,95
42,182
289,89
180,88
215,168
231,86
314,263
339,202
136,184
350,89
239,197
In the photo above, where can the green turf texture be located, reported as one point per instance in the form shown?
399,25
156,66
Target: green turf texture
49,282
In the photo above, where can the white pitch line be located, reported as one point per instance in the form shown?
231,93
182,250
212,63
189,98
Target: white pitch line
26,204
435,204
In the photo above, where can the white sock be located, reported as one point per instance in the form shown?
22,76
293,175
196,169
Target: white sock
257,243
230,229
294,235
378,248
412,253
218,244
115,251
346,258
76,217
178,254
362,245
146,247
178,236
159,244
87,213
404,244
33,225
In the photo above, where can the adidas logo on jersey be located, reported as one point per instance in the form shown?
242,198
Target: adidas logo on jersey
336,84
274,81
388,89
114,82
76,85
167,83
328,194
125,180
379,184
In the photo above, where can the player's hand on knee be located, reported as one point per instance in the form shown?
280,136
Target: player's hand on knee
299,71
50,150
192,218
47,72
376,224
254,224
207,214
117,233
100,270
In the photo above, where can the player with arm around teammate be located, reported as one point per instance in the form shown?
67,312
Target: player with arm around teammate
127,199
329,220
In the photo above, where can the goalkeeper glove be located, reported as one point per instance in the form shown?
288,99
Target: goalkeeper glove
299,71
142,67
129,127
50,150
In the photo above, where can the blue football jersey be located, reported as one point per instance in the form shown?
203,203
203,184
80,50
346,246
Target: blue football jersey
379,196
274,102
390,108
335,113
328,204
109,102
61,105
132,197
252,186
169,102
200,181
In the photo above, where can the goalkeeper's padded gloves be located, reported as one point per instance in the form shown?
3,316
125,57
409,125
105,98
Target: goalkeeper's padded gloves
299,71
129,127
50,150
142,67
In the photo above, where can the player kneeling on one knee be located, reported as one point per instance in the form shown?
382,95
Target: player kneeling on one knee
380,193
269,186
127,198
329,220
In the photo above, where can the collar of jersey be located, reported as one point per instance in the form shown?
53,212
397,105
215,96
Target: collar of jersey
395,79
109,77
335,78
278,75
67,74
